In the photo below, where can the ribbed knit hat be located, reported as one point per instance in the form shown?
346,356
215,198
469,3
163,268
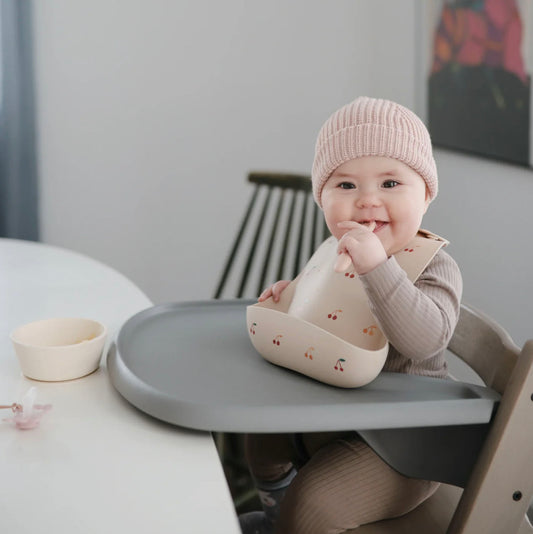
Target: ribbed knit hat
373,127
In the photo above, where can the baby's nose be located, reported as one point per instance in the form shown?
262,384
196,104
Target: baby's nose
368,198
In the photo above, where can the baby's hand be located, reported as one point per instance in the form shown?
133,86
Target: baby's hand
274,291
360,245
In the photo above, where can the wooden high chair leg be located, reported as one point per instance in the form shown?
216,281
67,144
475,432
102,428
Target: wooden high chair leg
498,493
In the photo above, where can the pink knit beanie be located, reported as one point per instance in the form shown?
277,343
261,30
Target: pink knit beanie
371,127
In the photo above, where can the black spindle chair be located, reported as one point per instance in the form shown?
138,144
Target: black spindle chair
281,228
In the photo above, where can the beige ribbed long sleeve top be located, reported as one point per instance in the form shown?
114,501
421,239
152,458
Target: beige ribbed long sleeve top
418,319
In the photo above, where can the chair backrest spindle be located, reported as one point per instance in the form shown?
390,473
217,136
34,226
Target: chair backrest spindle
313,236
271,243
268,254
299,244
286,239
236,243
258,230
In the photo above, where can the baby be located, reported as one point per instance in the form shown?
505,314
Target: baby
374,177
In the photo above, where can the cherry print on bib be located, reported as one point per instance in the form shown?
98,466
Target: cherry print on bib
350,274
309,353
338,365
370,330
252,328
334,314
276,340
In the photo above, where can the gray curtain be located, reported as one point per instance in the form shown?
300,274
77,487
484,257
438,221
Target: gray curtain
19,216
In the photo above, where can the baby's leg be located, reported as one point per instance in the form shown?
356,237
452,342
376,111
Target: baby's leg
344,485
271,459
269,456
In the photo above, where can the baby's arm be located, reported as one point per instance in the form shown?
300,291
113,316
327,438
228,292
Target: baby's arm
418,319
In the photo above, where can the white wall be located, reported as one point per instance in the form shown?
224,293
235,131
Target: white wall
485,209
150,114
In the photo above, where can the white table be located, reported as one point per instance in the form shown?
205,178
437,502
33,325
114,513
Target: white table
96,464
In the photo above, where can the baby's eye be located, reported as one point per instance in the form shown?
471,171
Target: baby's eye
346,185
390,183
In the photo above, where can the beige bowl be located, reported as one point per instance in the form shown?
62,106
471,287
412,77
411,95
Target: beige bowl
59,349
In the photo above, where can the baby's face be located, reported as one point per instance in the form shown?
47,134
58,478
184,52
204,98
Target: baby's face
380,189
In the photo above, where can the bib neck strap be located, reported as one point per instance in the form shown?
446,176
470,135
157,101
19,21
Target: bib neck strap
416,256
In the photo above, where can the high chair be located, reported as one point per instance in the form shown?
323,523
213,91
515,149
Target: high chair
499,489
461,434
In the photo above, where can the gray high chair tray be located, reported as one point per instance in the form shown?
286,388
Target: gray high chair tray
193,365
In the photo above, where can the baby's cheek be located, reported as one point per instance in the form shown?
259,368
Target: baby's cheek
335,231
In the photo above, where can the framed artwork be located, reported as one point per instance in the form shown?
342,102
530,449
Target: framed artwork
477,62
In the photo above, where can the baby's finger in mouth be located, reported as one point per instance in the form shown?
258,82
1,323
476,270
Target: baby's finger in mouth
371,225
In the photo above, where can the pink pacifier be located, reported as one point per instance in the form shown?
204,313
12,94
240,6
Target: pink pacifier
26,414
